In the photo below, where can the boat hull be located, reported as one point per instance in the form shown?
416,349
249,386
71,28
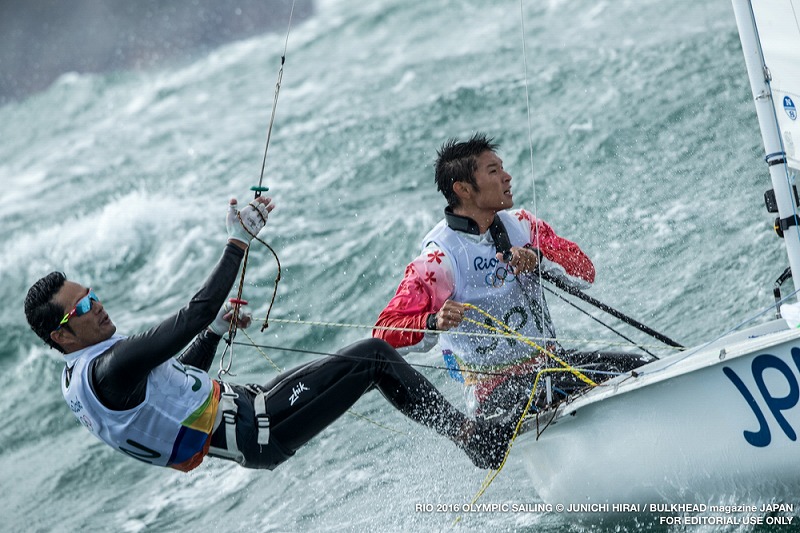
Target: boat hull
719,425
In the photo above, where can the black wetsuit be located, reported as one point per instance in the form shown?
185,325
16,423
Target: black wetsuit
300,402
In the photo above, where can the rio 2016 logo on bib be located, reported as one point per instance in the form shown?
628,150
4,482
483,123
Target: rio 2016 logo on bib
788,106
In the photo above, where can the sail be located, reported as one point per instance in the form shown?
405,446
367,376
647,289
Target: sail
779,32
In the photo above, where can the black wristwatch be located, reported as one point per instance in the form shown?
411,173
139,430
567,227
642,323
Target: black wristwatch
430,322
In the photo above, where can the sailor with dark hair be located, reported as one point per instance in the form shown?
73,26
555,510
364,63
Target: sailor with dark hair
484,254
151,397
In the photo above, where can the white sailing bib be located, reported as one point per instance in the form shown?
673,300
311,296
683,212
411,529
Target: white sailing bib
516,301
168,428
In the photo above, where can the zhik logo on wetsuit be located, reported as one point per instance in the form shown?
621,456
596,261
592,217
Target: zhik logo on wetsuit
296,390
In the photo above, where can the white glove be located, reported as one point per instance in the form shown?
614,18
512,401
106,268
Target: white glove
221,325
253,219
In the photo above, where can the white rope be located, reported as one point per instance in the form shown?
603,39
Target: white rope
530,143
602,342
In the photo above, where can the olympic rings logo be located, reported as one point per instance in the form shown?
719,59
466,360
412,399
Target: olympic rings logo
499,277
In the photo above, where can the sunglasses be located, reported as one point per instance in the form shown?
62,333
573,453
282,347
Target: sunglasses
83,306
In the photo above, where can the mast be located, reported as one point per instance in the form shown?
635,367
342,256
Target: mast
776,158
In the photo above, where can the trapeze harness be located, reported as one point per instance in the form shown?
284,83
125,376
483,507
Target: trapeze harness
239,406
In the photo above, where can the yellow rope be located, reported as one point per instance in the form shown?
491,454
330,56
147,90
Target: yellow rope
262,352
358,415
527,341
505,332
490,477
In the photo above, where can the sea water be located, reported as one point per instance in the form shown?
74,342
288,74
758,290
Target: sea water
628,126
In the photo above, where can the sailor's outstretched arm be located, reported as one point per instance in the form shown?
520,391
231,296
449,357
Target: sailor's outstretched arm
120,374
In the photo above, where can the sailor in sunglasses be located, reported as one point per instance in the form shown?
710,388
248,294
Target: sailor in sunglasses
150,396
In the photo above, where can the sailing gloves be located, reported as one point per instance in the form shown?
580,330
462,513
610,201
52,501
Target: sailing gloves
245,224
222,322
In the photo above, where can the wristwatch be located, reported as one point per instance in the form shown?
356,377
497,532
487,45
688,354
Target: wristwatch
430,322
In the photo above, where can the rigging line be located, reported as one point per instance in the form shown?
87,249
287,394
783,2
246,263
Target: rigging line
610,310
349,411
238,302
530,140
553,416
373,422
490,477
501,335
553,412
357,358
262,352
265,324
275,99
587,313
794,13
225,369
416,365
465,333
532,344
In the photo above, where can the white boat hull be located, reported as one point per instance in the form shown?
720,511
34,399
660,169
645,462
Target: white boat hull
702,428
